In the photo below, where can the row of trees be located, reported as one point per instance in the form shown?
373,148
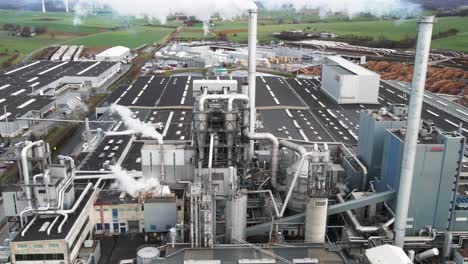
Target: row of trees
24,31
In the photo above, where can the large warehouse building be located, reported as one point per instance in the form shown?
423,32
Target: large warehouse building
117,53
348,83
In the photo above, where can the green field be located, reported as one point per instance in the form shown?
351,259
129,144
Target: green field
390,29
101,30
132,38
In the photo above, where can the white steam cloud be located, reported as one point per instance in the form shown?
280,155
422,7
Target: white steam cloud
135,188
134,125
352,8
228,9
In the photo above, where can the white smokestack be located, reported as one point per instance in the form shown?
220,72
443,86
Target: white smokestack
412,127
252,71
66,6
43,6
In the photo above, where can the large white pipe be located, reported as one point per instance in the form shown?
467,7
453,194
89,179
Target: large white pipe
427,254
25,168
412,127
274,155
230,97
252,72
210,158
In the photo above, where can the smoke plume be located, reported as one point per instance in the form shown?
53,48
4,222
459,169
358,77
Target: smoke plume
229,9
135,188
134,125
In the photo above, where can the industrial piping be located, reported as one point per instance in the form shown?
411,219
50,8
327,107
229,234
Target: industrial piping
25,167
274,155
252,72
412,127
229,97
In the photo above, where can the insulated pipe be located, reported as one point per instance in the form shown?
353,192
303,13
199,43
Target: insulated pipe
274,155
229,97
52,224
25,167
252,72
355,221
87,129
427,254
210,159
293,146
412,127
28,226
75,206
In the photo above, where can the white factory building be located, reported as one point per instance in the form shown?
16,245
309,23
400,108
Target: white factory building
116,53
348,83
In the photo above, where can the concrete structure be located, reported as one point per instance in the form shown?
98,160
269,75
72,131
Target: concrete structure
118,213
117,53
349,83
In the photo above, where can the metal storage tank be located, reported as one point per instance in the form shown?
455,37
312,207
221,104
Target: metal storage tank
149,255
298,199
236,217
316,220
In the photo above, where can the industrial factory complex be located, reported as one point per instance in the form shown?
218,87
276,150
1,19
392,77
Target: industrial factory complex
233,168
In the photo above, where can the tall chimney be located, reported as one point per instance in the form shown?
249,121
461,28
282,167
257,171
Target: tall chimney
252,72
425,26
66,6
43,6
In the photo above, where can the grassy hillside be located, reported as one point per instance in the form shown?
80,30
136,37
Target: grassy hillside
132,38
390,29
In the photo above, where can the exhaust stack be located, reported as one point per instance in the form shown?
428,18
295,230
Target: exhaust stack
66,6
43,6
423,47
252,72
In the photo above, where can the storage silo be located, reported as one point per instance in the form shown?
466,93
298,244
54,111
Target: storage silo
149,255
316,220
236,217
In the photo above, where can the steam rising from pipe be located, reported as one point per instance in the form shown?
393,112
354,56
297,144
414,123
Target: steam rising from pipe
134,125
135,188
229,9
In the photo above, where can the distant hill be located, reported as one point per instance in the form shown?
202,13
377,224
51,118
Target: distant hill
444,4
52,5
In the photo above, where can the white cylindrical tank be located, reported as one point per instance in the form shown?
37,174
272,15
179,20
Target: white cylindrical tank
316,220
427,254
149,255
236,217
298,199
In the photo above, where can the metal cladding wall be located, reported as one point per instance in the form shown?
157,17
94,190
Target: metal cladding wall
436,170
160,216
349,83
370,150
